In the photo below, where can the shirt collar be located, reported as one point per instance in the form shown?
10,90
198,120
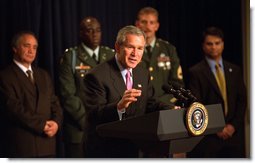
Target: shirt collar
122,69
153,42
23,68
90,51
212,62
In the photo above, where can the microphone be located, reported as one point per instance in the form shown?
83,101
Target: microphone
187,93
176,93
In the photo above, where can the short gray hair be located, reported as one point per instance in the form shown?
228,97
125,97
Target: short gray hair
17,36
130,29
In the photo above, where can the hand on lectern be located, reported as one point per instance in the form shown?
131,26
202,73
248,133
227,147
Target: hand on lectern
177,107
227,132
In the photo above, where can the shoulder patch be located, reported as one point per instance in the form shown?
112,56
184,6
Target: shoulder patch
107,48
179,73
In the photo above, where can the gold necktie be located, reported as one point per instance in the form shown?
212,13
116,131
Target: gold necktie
220,78
30,76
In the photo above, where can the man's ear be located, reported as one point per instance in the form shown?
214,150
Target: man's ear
117,48
136,23
14,49
158,24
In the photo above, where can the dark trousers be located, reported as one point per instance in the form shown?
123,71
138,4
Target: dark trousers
74,150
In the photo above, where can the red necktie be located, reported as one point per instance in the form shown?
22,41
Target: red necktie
128,80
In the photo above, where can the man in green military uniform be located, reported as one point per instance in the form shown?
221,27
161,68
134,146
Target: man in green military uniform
74,65
160,57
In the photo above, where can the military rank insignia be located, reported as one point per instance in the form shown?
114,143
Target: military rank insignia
196,119
164,62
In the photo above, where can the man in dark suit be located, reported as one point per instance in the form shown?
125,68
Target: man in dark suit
74,65
204,83
30,111
118,89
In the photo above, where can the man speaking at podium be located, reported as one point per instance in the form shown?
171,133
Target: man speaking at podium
117,89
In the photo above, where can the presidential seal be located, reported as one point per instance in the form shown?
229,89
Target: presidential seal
196,119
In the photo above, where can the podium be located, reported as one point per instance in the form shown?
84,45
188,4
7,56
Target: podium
162,132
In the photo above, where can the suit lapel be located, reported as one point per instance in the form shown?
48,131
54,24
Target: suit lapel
120,86
118,82
228,73
21,77
39,81
210,76
137,79
137,84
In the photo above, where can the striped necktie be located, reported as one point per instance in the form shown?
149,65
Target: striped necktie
30,76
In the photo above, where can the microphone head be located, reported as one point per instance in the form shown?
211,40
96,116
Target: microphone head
168,88
176,93
185,92
175,84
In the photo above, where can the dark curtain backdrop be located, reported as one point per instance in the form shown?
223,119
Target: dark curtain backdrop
56,22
